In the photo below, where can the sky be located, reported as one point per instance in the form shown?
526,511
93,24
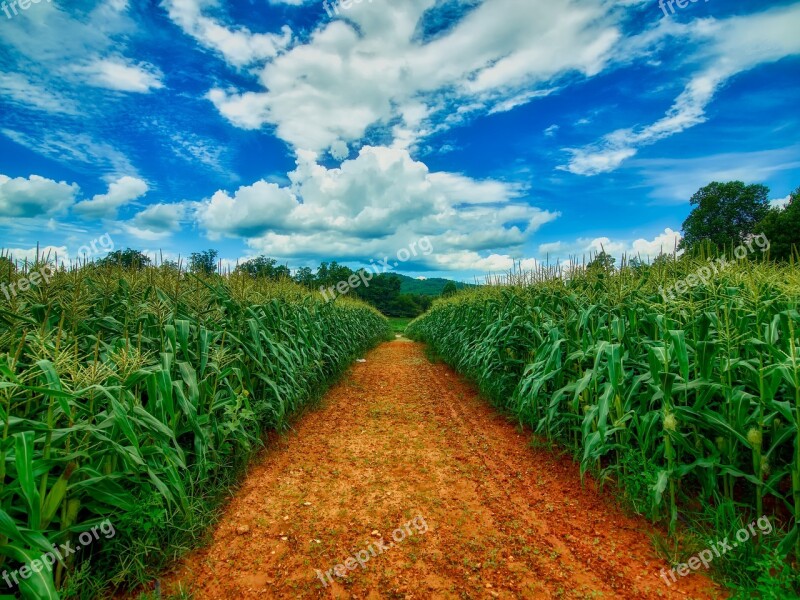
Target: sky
496,131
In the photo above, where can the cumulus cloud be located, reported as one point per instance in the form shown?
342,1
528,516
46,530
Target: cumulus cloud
159,221
780,202
372,205
663,243
35,196
378,69
105,206
45,254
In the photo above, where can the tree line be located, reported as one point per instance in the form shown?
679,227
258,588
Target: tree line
383,292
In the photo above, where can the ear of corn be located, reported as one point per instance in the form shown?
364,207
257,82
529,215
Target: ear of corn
116,387
700,393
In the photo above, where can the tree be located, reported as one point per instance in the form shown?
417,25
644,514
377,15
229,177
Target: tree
449,289
382,291
127,259
203,263
262,266
602,263
305,277
725,214
781,226
330,274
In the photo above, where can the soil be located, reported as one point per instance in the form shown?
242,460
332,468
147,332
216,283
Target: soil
406,448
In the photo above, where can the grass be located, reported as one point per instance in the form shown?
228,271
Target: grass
398,324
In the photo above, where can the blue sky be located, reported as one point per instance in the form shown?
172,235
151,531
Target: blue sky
501,130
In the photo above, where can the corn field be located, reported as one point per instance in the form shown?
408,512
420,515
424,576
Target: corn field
691,404
137,396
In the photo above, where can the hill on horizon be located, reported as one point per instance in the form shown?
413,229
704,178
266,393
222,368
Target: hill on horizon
427,287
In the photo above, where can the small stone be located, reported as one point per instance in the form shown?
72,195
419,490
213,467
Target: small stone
242,529
306,503
285,539
376,533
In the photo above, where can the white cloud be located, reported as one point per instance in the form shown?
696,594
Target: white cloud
373,205
339,150
238,46
35,196
75,148
345,80
159,221
584,248
105,206
675,180
17,89
780,202
62,50
46,254
195,149
664,243
121,75
727,47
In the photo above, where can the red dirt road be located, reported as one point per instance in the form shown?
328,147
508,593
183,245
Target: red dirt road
400,438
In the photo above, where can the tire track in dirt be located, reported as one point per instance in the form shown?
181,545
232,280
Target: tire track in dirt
399,438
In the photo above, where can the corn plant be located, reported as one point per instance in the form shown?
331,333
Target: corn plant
694,398
118,387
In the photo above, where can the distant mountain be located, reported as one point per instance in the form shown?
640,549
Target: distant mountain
425,287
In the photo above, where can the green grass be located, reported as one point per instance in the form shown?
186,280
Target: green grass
399,324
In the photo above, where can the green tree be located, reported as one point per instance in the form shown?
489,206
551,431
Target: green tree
127,259
725,214
305,276
203,263
262,266
781,226
382,291
602,263
449,289
330,274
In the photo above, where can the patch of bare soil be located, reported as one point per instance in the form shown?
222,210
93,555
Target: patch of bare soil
403,445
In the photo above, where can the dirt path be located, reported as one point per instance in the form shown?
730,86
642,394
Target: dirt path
404,445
